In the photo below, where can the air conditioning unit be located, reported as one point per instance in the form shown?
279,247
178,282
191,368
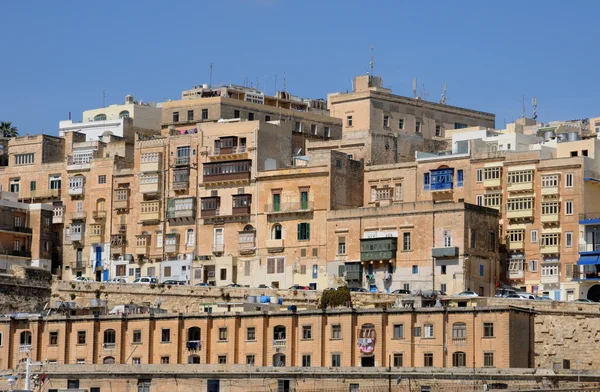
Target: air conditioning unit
121,258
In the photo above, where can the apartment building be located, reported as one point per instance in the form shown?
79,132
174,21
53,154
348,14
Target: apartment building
490,337
380,127
25,233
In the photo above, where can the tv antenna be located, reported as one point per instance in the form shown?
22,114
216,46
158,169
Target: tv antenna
284,82
371,65
523,107
534,104
444,97
415,96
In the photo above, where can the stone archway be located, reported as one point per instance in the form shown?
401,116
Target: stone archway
593,293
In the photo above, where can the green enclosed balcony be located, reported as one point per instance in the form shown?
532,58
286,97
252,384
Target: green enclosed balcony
378,248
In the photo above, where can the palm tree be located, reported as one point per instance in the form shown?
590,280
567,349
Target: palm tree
8,130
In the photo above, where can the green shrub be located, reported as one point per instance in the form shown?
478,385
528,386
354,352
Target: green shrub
335,298
73,296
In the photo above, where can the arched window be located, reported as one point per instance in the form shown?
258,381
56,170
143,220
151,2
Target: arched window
189,237
25,338
159,239
277,232
459,331
124,114
459,359
193,339
110,337
367,331
279,359
248,228
108,360
100,117
194,359
100,205
279,332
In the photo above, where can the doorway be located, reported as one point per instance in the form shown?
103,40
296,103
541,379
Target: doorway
594,293
367,361
279,359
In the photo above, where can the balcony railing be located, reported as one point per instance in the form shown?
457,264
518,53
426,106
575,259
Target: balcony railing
492,183
546,249
520,186
193,345
142,249
79,215
589,216
459,341
182,161
515,245
76,191
223,151
150,166
519,214
151,187
275,245
285,208
73,164
550,190
20,253
17,229
77,236
550,218
180,184
585,247
109,346
218,248
98,214
25,348
279,343
515,274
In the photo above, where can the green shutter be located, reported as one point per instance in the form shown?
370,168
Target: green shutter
307,231
299,231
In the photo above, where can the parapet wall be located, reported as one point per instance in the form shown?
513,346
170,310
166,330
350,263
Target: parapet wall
24,290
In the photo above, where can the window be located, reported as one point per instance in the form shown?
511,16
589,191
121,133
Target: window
223,334
386,121
459,331
204,114
136,360
166,335
569,180
481,270
401,123
473,238
267,118
459,178
569,239
313,129
398,192
459,359
137,336
549,181
417,332
223,274
341,245
80,337
250,116
398,331
54,181
568,208
415,269
102,179
479,175
384,193
533,266
110,337
336,331
175,116
251,333
428,360
443,287
81,361
306,332
488,359
488,330
438,130
406,286
336,360
447,238
418,127
519,204
24,159
53,338
426,181
398,360
15,185
406,242
236,114
303,231
550,270
164,360
32,185
349,121
479,200
144,385
566,364
189,237
584,153
443,269
327,132
428,330
460,126
534,236
521,176
306,360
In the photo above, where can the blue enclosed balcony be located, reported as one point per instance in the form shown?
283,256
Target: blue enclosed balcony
590,243
442,179
588,268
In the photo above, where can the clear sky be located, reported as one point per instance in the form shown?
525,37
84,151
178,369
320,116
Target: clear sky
59,56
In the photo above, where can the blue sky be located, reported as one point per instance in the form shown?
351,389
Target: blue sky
60,56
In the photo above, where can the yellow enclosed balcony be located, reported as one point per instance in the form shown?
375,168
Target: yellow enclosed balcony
519,214
492,183
520,187
150,211
550,218
550,191
515,245
151,187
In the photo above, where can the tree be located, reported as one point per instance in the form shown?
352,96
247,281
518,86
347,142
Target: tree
8,130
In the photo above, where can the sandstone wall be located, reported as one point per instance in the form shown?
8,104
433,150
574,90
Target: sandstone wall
25,290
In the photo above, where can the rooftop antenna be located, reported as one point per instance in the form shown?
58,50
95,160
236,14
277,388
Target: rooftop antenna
284,82
534,103
415,96
523,106
210,77
371,66
444,97
257,82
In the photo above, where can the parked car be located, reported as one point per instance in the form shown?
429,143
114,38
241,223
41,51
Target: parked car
584,301
265,286
330,289
544,298
202,285
468,294
174,282
504,292
358,290
299,287
145,280
521,296
233,285
401,291
116,280
83,279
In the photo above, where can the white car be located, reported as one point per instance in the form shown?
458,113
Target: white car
468,294
520,296
83,279
146,280
116,280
